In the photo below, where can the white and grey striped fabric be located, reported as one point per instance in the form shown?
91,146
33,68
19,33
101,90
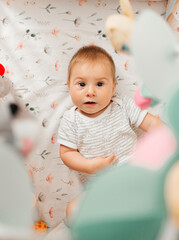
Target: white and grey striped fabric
110,132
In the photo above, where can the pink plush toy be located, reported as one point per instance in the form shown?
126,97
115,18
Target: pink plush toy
141,101
163,144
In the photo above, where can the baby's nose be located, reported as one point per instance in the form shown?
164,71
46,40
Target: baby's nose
90,91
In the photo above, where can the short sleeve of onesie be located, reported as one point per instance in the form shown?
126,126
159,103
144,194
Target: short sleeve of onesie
134,113
67,130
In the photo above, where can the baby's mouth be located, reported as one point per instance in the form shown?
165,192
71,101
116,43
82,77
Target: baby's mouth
90,103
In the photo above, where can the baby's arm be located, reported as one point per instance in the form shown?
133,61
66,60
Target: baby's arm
74,160
150,122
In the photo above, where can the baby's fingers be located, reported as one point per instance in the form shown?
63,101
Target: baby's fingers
115,159
111,159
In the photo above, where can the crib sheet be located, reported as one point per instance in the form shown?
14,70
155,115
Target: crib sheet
37,40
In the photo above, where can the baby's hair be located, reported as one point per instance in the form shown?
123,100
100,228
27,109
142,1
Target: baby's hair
93,54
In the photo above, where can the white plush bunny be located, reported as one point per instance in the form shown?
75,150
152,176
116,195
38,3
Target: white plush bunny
15,186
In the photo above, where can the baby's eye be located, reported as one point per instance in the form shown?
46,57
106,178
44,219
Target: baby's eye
81,84
99,84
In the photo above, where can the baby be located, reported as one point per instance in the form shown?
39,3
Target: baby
99,130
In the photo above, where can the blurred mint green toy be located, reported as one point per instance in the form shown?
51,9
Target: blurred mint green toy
134,201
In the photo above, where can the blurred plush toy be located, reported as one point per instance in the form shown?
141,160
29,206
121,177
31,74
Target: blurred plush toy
164,65
14,118
163,142
140,200
18,136
162,57
119,27
16,199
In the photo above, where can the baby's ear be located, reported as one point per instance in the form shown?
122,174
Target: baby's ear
114,86
68,84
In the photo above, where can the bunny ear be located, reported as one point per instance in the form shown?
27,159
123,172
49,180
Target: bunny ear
126,8
173,111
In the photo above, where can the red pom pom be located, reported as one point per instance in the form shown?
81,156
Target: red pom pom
2,70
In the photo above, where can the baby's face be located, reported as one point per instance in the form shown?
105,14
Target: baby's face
91,87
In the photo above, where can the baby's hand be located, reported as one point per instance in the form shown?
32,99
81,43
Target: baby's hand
101,162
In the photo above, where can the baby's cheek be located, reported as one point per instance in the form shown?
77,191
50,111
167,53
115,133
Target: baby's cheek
107,98
77,99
